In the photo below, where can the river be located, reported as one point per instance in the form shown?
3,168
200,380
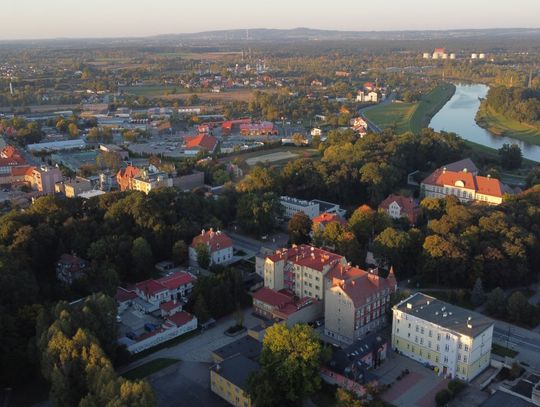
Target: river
458,114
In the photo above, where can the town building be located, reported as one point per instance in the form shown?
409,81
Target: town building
466,186
202,142
56,146
125,176
293,205
320,222
439,53
44,178
258,129
300,269
228,379
70,268
74,187
148,180
356,302
282,306
349,368
453,340
13,166
398,206
220,247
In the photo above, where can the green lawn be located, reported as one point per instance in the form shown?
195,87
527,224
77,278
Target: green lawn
411,117
500,125
503,351
149,91
394,114
430,105
149,368
492,153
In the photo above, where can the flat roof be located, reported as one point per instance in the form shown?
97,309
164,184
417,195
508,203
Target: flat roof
444,314
501,398
246,346
236,370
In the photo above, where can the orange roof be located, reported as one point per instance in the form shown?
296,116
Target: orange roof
365,208
124,295
465,179
129,172
408,205
359,284
271,297
205,141
180,318
325,218
308,256
215,240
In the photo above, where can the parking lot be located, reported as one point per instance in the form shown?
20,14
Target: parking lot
418,388
133,321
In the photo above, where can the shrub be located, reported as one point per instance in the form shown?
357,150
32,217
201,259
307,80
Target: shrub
456,386
443,397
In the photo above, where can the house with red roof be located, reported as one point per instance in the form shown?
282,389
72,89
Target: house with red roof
13,166
282,306
465,185
125,177
356,302
320,222
70,268
220,247
201,142
398,206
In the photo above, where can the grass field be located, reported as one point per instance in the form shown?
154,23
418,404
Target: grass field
394,114
148,91
411,117
149,368
500,125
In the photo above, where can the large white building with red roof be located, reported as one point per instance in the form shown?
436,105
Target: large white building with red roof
356,302
220,247
300,269
398,206
466,186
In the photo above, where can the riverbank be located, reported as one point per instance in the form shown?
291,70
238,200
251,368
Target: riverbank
493,154
412,117
499,125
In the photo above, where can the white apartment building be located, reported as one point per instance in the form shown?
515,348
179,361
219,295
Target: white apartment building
292,205
454,340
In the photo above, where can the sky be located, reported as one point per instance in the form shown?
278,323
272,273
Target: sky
31,19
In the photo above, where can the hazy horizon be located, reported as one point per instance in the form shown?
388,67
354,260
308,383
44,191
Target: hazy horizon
34,19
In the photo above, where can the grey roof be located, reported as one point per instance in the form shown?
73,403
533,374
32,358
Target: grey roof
246,346
501,398
236,370
460,165
446,315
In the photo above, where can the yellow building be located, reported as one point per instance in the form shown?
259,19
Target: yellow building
228,379
454,340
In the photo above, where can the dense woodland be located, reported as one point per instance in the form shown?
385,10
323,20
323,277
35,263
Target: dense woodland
518,103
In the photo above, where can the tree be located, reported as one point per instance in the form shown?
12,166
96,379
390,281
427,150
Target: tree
290,362
443,397
203,256
143,262
390,246
201,310
477,294
496,303
180,252
510,156
73,130
299,228
345,398
518,307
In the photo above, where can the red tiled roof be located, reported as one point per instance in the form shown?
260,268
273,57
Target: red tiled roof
308,256
150,287
291,307
170,305
205,141
176,280
123,295
180,318
20,171
271,297
482,185
408,205
359,284
215,240
325,218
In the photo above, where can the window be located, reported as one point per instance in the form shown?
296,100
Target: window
422,330
417,328
429,344
446,359
447,337
416,339
460,346
464,359
421,341
459,357
466,348
446,348
429,333
438,348
438,337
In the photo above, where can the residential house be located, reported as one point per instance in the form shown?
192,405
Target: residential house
320,222
228,379
125,177
455,341
220,247
282,306
398,206
202,142
356,302
148,180
70,268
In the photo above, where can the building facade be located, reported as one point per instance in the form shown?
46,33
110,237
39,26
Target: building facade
397,206
356,302
220,247
455,341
